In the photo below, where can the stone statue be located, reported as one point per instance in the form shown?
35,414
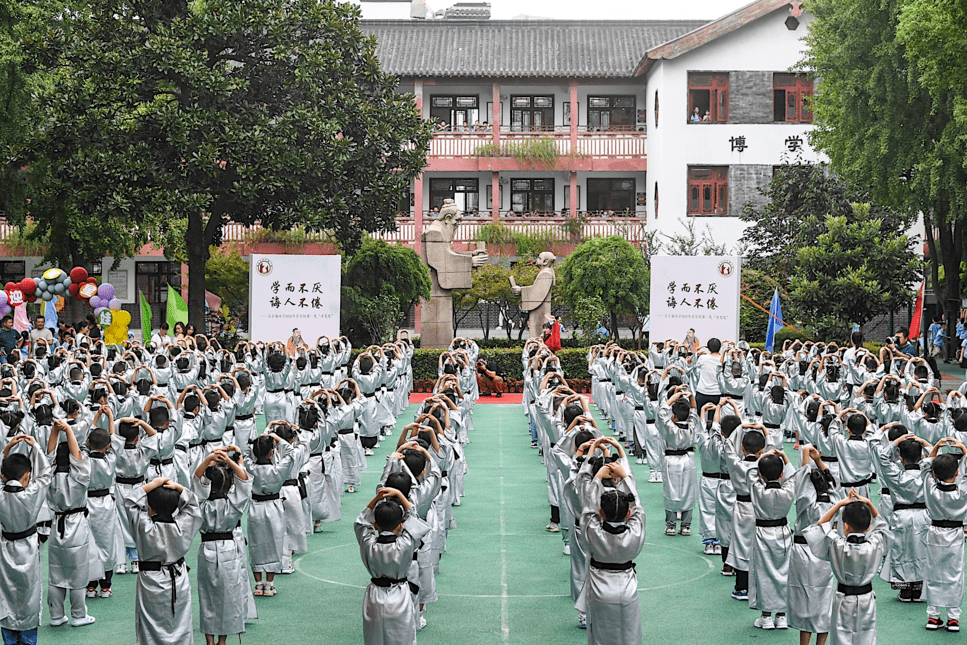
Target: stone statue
448,270
536,299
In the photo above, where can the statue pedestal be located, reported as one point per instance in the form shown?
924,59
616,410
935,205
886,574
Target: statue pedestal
436,328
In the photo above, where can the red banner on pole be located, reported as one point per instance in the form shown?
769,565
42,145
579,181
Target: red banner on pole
917,313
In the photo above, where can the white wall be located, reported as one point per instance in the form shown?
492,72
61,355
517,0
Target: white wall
765,45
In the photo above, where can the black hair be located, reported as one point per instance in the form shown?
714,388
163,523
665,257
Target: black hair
856,424
285,433
945,466
44,414
120,388
308,417
960,423
674,381
244,380
276,361
15,466
763,379
388,514
891,391
812,410
572,410
262,449
858,516
615,505
896,432
778,394
160,360
729,423
770,467
11,417
128,431
164,502
366,364
753,442
28,370
819,481
211,399
70,406
910,451
96,369
143,386
400,481
930,409
191,402
99,439
229,388
920,372
856,338
62,458
714,345
581,437
221,479
347,393
681,409
415,461
158,416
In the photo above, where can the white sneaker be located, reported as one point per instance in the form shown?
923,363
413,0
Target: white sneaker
764,622
582,621
658,478
368,452
351,489
92,593
120,569
639,461
553,528
718,549
422,622
287,570
781,622
567,549
134,566
709,549
80,622
57,622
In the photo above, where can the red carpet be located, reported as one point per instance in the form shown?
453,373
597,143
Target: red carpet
507,399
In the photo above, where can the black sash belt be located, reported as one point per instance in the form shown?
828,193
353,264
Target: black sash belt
639,408
770,523
173,570
650,422
798,539
612,566
345,431
291,482
265,498
771,426
883,491
830,460
163,462
678,453
947,524
277,391
850,590
906,507
62,517
130,481
370,395
215,537
20,535
389,582
244,417
99,492
181,447
743,498
716,475
859,484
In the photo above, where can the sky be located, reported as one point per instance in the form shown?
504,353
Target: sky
605,9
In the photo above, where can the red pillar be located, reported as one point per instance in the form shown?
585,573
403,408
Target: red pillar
574,195
495,196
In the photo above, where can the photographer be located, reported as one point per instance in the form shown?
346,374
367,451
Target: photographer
901,343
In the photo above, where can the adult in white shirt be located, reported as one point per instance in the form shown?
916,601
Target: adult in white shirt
40,331
705,369
849,359
161,338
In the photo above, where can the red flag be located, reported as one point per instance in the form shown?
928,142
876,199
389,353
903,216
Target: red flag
917,311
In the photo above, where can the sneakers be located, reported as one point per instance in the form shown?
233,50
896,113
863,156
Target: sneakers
351,489
640,461
105,593
287,570
91,593
582,621
533,444
120,570
740,595
134,566
781,622
268,590
317,526
727,571
953,625
368,452
422,622
718,548
553,527
658,477
670,530
567,549
764,622
933,624
259,589
80,622
58,622
685,530
652,477
709,549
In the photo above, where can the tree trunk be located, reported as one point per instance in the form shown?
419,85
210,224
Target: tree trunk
196,241
486,320
615,335
950,255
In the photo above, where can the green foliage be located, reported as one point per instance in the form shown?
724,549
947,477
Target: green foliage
588,314
22,240
205,111
758,286
612,270
574,362
854,271
888,115
226,275
379,285
528,244
490,287
541,151
690,241
800,197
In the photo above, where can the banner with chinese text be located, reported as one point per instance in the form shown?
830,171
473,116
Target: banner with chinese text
695,292
294,291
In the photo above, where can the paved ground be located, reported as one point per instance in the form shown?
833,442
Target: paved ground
503,578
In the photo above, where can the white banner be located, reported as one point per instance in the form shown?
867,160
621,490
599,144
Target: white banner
695,292
294,291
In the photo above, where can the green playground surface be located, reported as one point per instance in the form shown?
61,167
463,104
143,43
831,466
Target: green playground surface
503,579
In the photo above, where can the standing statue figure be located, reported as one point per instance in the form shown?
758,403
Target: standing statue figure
449,270
536,299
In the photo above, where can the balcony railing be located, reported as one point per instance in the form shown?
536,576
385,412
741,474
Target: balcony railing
611,145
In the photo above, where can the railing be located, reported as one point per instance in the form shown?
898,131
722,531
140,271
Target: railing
611,145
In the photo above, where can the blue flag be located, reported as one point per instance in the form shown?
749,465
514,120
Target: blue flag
775,321
50,315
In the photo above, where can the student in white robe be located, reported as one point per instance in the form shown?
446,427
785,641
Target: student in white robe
771,484
678,426
103,518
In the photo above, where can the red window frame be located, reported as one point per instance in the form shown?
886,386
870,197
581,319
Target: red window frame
792,90
717,86
708,190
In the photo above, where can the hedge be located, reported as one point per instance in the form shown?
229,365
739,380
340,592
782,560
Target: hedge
572,343
574,362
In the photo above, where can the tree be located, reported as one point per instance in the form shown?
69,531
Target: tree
880,125
380,284
611,269
202,112
227,276
854,271
491,286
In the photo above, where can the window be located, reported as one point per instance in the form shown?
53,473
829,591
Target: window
790,102
616,195
464,193
611,113
12,272
152,280
708,97
708,190
458,112
531,113
656,109
656,200
532,195
567,197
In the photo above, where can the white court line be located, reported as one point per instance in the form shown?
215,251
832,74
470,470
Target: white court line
504,602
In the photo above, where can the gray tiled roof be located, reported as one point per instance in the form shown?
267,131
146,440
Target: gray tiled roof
605,48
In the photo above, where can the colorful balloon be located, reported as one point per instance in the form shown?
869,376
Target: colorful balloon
106,291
